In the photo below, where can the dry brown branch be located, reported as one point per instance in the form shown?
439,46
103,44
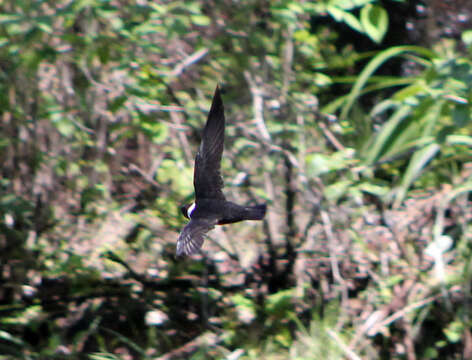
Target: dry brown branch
188,61
207,339
270,146
235,355
258,106
81,126
270,217
349,353
149,106
288,61
302,147
327,226
96,83
144,175
401,313
176,118
329,135
378,320
223,239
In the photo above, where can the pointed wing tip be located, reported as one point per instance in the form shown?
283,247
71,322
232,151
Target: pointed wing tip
217,111
217,95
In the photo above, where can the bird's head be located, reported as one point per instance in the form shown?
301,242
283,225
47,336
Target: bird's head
187,210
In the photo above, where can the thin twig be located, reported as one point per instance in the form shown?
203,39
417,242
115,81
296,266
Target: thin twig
206,339
222,238
81,126
96,83
401,313
149,179
332,250
288,61
152,105
258,105
349,353
270,146
329,135
271,217
190,60
184,144
334,260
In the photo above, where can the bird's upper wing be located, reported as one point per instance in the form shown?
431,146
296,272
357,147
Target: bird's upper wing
207,179
191,237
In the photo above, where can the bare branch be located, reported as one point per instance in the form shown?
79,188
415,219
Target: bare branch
258,105
188,61
176,118
329,135
206,339
349,353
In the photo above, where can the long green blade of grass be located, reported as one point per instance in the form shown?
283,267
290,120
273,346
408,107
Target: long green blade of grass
416,165
373,65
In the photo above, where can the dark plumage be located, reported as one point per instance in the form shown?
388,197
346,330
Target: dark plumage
210,207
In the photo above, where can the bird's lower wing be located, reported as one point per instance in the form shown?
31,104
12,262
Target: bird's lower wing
191,238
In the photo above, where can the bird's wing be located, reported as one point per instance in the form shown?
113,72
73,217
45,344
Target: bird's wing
191,237
207,179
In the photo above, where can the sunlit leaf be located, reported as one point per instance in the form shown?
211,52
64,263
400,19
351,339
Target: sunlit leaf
374,19
6,336
201,20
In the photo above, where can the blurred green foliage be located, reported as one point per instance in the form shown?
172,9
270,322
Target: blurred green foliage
365,165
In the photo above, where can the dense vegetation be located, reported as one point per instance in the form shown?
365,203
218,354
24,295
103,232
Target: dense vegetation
351,119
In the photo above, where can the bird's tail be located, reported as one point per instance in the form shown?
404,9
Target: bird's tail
255,212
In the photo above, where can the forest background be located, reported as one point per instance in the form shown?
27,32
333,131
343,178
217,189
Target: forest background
350,118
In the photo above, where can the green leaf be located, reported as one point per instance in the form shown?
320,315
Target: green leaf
318,164
64,126
334,191
373,189
44,25
6,336
10,18
415,167
279,303
245,308
374,20
459,140
373,65
467,37
344,16
461,115
385,135
454,331
200,20
350,4
410,91
103,356
353,22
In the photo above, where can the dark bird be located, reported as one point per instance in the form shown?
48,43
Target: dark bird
211,207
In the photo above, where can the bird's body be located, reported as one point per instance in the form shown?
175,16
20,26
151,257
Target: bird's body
211,207
226,212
